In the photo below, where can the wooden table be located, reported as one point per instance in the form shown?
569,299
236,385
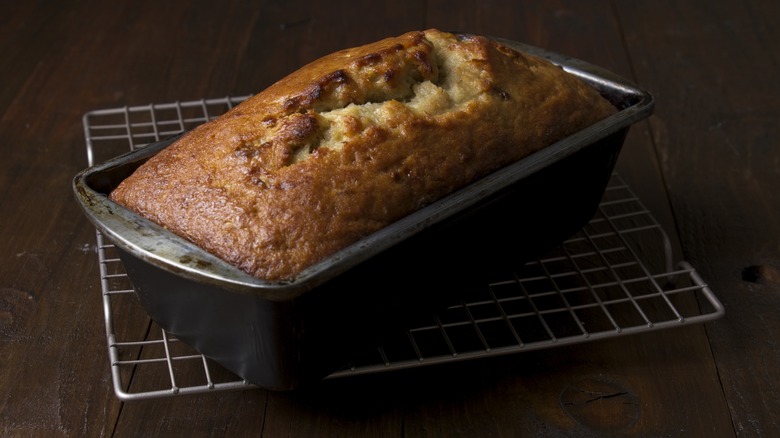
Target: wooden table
706,164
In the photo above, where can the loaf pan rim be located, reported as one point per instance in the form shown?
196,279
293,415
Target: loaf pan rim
123,227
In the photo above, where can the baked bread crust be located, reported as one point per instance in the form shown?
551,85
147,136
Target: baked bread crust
353,142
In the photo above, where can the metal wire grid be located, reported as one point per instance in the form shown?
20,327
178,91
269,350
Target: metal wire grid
598,284
110,132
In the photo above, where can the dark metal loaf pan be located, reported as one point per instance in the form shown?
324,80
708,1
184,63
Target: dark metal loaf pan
283,335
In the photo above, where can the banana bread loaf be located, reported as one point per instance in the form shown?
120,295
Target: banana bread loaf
352,142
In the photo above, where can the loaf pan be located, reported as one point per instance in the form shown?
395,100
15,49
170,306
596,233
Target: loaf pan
284,335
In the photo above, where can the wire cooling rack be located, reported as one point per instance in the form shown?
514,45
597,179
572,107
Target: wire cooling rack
614,277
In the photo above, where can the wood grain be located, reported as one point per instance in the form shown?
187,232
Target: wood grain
716,134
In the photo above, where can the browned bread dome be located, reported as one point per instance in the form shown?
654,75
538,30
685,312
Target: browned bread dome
353,142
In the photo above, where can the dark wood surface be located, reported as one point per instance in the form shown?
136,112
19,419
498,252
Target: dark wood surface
706,164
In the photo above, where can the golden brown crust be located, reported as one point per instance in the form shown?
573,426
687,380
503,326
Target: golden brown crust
352,142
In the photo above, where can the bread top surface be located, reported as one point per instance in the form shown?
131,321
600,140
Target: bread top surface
352,142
